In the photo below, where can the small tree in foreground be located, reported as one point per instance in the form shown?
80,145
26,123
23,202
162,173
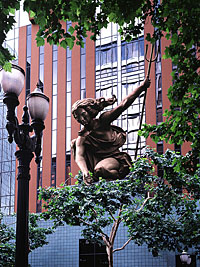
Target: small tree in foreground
164,215
37,238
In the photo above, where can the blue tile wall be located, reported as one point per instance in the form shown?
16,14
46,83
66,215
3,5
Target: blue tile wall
63,250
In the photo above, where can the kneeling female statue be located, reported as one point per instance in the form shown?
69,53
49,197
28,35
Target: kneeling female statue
96,150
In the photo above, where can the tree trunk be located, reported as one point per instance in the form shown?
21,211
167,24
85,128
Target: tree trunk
109,251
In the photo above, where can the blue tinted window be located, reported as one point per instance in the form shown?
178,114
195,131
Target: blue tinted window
69,74
114,54
41,73
129,50
28,53
123,49
55,55
141,48
55,72
135,49
29,29
103,57
97,54
83,70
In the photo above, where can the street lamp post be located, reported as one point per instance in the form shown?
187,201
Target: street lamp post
38,105
185,258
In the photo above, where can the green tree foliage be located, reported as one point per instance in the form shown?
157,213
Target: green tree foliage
37,238
164,215
7,246
177,20
7,11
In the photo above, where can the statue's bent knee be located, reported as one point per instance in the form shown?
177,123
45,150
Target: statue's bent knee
101,172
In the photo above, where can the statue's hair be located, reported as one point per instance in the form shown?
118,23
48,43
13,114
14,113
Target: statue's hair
92,105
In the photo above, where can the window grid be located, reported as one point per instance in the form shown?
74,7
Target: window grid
28,60
54,115
7,165
92,254
41,65
12,38
159,103
7,157
177,148
68,113
121,69
83,71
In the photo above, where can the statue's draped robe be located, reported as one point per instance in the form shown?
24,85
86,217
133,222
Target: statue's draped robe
99,149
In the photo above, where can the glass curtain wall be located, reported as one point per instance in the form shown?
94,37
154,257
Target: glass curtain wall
83,71
54,116
119,69
68,113
7,165
28,61
159,102
12,38
7,150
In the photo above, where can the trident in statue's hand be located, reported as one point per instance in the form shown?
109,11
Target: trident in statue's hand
150,60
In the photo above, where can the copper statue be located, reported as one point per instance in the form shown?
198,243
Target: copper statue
96,150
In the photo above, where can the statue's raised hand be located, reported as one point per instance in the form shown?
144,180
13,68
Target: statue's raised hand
146,83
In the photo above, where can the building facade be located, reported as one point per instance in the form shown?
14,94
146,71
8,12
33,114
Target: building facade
7,165
7,151
107,68
102,69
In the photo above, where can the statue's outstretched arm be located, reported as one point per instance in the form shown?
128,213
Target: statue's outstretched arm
110,116
80,160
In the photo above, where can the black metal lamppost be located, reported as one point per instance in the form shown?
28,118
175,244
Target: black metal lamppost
38,105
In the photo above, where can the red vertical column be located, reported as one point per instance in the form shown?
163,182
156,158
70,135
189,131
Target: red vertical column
61,115
90,67
46,168
22,64
76,84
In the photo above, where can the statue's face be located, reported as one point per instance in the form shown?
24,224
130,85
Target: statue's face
83,117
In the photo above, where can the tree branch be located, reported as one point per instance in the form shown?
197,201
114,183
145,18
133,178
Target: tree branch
95,214
10,223
84,221
106,239
145,201
112,215
117,249
104,236
115,226
180,217
5,239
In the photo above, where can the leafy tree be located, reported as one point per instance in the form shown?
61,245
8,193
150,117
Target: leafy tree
7,246
37,238
167,217
7,11
176,20
37,235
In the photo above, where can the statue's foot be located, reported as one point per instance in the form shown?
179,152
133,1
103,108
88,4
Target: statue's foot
88,180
